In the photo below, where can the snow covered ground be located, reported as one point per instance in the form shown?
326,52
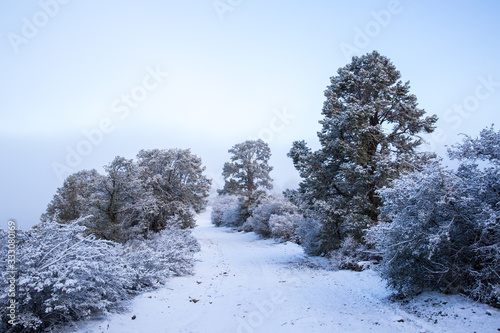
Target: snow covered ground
244,284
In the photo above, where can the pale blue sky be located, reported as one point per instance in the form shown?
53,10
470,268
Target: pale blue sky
259,68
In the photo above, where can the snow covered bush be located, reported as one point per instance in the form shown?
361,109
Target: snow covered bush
419,240
227,211
64,276
275,204
308,232
441,228
285,226
160,256
352,253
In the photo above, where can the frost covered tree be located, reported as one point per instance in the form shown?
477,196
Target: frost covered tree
134,198
179,186
117,197
440,228
105,237
109,202
484,148
74,199
370,134
247,175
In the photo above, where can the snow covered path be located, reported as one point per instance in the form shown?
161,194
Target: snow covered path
244,284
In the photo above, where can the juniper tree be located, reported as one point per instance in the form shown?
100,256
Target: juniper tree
370,134
179,186
73,199
118,195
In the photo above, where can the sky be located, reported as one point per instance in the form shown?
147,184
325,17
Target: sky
84,81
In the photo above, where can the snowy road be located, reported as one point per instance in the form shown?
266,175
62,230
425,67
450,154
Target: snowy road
243,284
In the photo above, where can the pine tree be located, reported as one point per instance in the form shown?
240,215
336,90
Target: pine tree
370,134
247,175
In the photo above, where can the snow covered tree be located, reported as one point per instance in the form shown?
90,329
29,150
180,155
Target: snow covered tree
74,199
370,134
440,228
485,148
117,196
179,186
247,175
109,202
125,236
134,198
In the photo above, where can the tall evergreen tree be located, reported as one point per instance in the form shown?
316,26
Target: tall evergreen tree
370,135
247,175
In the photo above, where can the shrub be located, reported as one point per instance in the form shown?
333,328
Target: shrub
227,211
64,275
308,232
272,205
165,254
67,275
350,254
285,226
440,234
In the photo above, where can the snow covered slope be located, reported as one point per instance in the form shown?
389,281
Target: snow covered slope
244,284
